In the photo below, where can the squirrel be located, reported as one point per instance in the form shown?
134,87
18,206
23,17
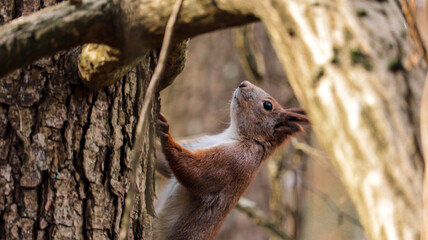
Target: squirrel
209,174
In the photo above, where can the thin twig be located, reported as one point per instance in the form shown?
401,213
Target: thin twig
260,218
308,149
315,155
142,121
330,203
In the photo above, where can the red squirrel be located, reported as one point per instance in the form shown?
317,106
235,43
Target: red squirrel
209,174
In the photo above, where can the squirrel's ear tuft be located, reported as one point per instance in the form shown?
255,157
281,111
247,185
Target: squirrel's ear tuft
296,115
296,110
290,120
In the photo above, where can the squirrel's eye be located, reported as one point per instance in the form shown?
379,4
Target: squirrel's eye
267,105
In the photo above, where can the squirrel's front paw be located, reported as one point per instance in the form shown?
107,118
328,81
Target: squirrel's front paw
163,127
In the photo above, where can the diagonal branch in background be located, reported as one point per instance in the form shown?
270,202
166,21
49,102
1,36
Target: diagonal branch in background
260,218
311,151
330,203
315,155
132,27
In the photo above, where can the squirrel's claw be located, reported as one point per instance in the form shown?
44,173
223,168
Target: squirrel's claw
163,127
162,118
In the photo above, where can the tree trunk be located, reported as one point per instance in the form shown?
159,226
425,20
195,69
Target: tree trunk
348,64
65,150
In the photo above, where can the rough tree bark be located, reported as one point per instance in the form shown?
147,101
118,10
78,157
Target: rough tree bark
65,150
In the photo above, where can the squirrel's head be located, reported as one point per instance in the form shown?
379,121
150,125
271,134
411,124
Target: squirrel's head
258,116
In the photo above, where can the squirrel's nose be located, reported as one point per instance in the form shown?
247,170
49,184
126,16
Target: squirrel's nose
244,84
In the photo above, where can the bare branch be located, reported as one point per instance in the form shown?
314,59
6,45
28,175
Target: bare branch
101,65
330,203
52,29
132,26
260,218
311,151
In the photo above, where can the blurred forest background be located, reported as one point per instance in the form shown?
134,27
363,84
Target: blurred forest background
298,187
309,201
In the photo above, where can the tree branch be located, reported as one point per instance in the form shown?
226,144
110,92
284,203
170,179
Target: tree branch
330,203
52,29
133,27
101,65
250,209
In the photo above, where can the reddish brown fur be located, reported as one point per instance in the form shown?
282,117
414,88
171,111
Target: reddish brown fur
217,176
